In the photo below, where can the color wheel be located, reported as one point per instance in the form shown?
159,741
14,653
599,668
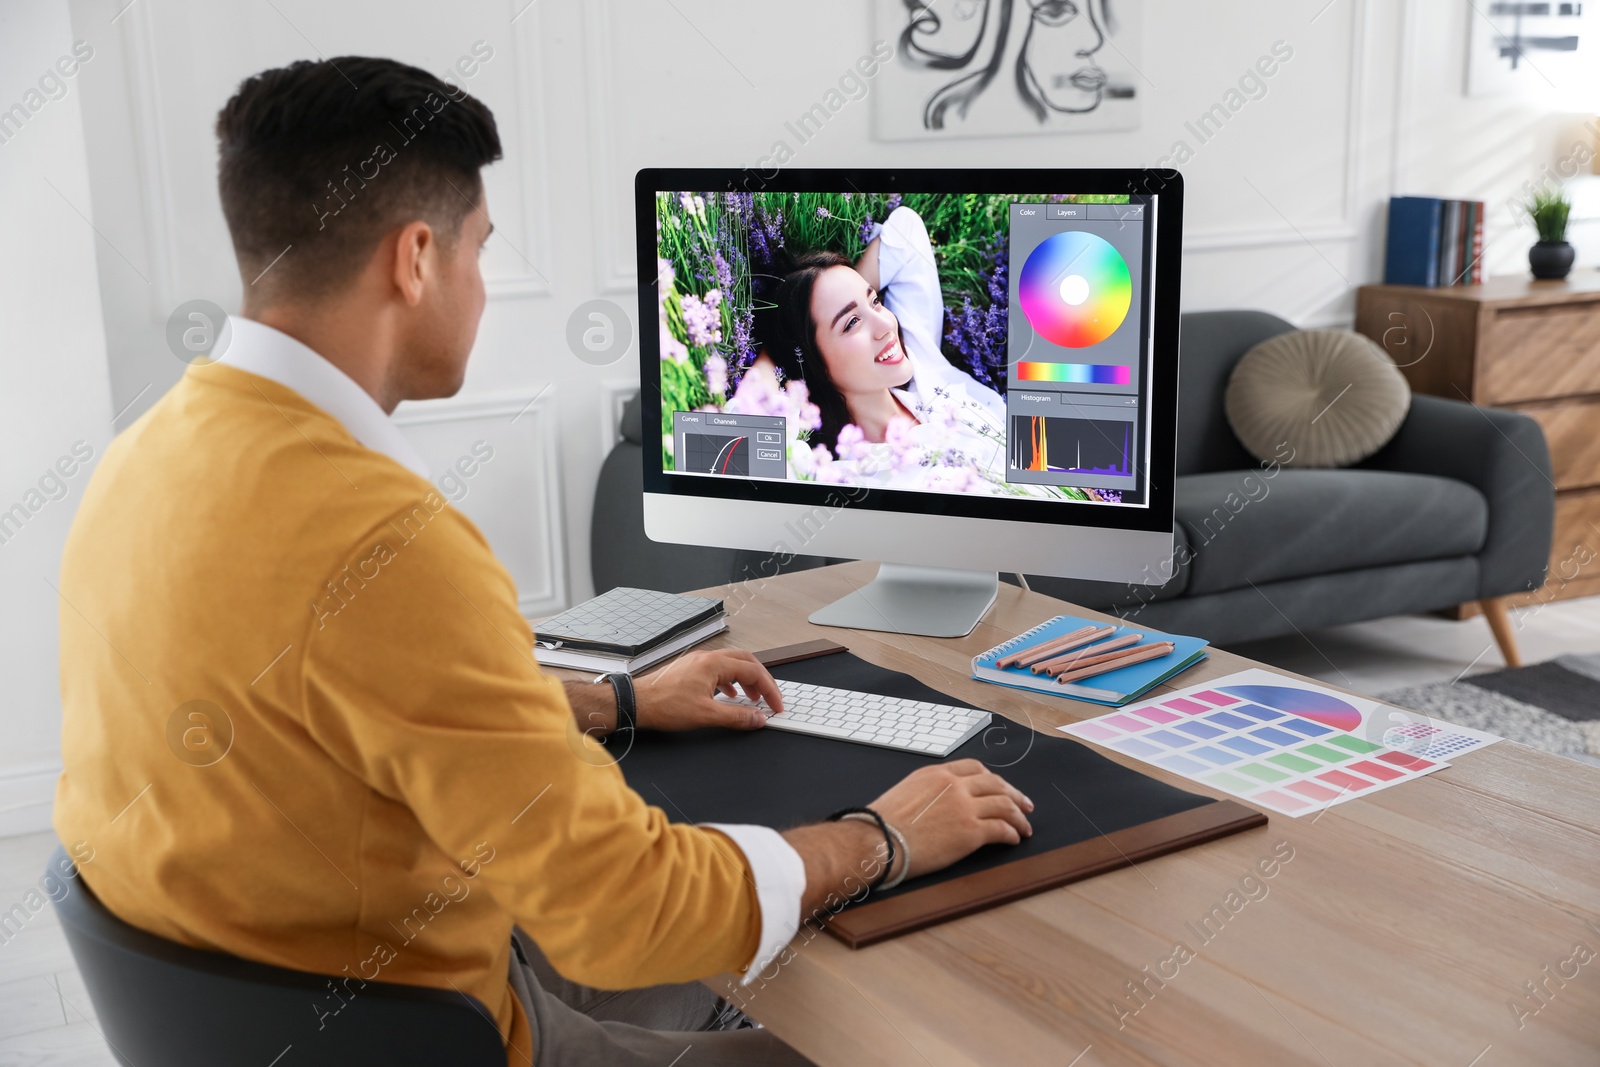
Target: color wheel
1075,289
1318,707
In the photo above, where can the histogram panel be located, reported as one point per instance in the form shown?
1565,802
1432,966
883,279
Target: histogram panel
716,454
1071,446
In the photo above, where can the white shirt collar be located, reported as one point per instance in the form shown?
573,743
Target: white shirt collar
274,355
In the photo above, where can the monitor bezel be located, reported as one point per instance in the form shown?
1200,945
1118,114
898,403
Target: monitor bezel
1156,516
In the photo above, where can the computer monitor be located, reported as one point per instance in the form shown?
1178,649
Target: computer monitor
952,372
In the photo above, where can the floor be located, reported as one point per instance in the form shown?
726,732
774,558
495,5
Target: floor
46,1019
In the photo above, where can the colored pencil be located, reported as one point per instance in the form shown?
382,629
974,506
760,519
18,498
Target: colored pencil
1114,663
1084,655
1097,656
1032,654
1025,657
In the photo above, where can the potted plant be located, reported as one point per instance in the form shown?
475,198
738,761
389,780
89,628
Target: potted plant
1552,256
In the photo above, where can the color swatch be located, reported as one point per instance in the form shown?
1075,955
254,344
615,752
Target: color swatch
1307,703
1242,739
1075,289
1414,732
1073,373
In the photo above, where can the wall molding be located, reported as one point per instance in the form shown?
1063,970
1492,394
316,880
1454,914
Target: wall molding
151,152
537,411
533,161
614,394
615,269
156,195
27,796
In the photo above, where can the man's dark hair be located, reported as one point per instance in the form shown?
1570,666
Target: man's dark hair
325,158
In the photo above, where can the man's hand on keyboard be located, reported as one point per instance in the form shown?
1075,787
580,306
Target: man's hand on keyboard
681,696
950,809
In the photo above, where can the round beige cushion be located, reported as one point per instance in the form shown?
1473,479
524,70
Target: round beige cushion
1332,396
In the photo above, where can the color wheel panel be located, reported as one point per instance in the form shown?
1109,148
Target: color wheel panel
1075,289
1318,707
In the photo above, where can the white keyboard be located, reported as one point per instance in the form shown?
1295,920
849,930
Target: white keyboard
888,722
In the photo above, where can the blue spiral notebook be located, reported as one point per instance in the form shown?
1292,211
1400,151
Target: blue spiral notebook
1114,687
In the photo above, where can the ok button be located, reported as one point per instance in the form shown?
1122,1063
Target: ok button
769,437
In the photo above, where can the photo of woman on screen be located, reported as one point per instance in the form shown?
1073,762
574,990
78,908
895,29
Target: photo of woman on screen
880,344
864,338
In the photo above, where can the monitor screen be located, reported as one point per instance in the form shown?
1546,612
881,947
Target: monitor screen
985,343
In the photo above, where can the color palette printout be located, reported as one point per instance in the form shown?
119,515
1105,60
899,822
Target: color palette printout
1278,743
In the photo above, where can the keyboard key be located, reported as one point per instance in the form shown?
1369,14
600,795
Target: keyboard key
921,726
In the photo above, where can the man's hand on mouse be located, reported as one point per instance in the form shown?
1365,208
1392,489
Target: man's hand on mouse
682,695
946,810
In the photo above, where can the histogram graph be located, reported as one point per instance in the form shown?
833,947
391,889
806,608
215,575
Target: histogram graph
717,454
1071,446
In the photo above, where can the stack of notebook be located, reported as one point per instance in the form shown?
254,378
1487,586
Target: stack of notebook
626,630
1088,660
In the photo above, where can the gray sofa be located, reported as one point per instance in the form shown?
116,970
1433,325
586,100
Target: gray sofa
1457,508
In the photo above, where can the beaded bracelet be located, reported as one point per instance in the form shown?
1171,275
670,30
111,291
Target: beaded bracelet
865,815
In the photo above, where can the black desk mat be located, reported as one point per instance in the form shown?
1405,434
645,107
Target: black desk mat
779,779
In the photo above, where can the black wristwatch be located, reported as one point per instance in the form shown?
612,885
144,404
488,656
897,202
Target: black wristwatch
627,703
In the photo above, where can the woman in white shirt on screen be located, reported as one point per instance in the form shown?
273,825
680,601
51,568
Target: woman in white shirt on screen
864,337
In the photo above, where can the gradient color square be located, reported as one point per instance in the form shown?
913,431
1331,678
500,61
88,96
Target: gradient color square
1276,737
1199,729
1230,720
1256,711
1379,771
1094,731
1215,755
1280,799
1155,715
1293,762
1305,726
1125,722
1245,745
1168,738
1188,707
1133,746
1323,753
1344,781
1263,772
1181,764
1211,696
1355,744
1313,790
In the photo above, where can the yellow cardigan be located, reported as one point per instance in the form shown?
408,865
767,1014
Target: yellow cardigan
303,724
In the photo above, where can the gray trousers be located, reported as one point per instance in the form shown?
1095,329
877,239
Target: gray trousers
661,1026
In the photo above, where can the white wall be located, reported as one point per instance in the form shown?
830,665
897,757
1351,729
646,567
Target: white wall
55,393
1285,204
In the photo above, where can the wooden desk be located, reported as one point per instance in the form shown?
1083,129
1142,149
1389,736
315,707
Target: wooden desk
1398,933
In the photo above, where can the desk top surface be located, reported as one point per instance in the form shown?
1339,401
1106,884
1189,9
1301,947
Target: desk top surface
1401,929
1581,286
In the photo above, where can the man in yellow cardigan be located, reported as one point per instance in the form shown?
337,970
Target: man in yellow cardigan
303,720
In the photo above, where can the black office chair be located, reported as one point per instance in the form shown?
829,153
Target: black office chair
163,1003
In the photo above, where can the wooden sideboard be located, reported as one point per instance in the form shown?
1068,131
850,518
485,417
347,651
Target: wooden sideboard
1531,346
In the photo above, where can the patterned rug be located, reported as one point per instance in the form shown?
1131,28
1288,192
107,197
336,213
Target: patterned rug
1554,706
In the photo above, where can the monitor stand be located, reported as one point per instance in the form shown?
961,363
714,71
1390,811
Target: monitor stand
926,601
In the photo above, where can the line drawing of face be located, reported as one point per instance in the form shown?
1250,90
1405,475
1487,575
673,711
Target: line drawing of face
1056,68
857,336
954,37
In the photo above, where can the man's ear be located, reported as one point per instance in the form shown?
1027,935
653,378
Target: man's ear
415,245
